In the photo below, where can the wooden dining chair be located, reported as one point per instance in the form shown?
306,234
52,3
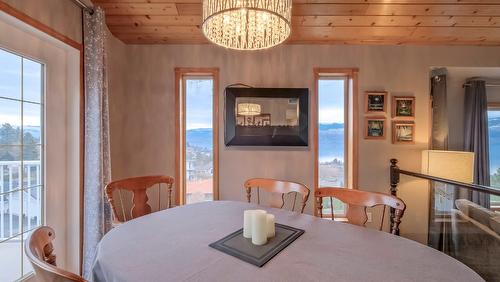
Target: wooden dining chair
278,187
357,201
138,186
40,252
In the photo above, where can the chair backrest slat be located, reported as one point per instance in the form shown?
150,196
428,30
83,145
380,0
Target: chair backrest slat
40,252
280,187
138,186
357,201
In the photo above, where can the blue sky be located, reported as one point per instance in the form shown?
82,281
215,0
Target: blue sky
15,71
493,114
199,97
331,101
331,110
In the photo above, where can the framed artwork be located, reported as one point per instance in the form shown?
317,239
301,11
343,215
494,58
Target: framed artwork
403,107
375,102
252,125
403,132
375,128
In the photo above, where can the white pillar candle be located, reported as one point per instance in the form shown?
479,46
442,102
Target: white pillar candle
271,229
259,227
247,223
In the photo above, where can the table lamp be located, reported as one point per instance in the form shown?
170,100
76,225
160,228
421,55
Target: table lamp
452,165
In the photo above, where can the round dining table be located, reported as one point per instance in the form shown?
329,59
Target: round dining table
173,245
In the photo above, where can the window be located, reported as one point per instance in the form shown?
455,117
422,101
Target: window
494,143
21,155
197,137
334,135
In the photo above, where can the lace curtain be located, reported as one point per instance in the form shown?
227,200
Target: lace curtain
97,169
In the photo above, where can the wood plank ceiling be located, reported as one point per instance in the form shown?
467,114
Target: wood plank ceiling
395,22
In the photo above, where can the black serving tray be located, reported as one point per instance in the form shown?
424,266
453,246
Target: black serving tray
240,247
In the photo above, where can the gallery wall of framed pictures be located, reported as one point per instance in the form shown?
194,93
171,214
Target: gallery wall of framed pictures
402,115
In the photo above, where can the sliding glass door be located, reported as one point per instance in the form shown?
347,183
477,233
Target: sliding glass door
21,165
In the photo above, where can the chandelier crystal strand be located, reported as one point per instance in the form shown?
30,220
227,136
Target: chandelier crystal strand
247,24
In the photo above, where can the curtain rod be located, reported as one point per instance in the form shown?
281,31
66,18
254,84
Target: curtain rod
487,85
84,6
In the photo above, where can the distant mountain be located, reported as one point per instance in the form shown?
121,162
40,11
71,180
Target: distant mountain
331,139
33,130
330,126
200,137
330,136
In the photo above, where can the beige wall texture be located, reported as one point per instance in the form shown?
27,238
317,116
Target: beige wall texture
142,111
62,15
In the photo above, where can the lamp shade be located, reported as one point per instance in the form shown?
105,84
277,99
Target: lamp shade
248,109
453,165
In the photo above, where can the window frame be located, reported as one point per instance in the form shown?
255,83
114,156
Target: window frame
180,129
22,233
351,125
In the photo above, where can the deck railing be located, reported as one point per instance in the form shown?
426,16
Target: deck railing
463,220
20,199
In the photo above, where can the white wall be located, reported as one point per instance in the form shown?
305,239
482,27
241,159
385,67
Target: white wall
142,124
61,118
63,16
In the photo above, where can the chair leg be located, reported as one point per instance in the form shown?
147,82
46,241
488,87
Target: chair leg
319,206
169,195
397,220
249,193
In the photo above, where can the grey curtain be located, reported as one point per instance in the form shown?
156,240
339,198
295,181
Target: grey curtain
476,137
440,128
438,237
97,169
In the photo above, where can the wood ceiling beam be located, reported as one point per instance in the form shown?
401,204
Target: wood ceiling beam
443,21
453,22
394,10
146,20
140,9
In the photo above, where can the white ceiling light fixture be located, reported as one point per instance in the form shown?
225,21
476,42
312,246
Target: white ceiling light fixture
247,24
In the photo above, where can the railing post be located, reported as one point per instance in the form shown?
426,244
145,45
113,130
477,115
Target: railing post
394,184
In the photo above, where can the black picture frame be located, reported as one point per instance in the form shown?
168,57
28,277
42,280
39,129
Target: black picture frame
235,135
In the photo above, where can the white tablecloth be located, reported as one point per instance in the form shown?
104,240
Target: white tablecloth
172,245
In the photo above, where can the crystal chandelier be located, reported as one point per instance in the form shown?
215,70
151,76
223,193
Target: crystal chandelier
247,24
248,109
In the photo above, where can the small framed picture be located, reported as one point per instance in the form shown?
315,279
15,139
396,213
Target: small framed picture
403,107
375,102
403,132
375,128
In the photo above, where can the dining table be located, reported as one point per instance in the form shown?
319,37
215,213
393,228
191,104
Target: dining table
173,245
